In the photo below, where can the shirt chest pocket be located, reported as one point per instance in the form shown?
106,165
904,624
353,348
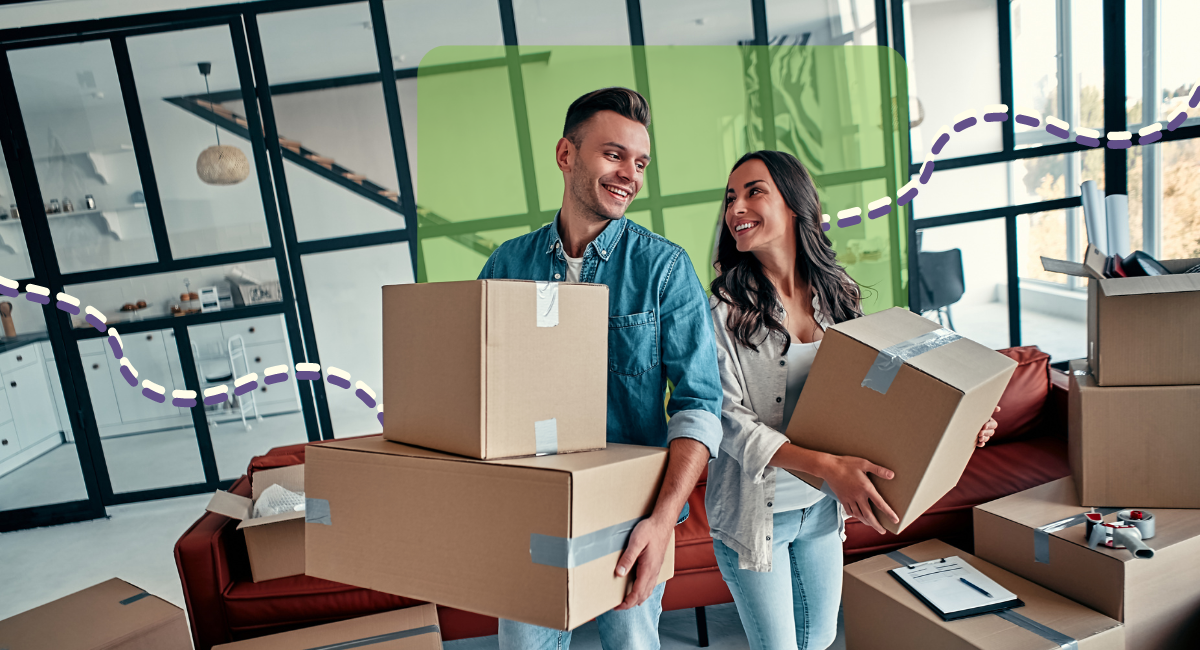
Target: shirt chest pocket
632,343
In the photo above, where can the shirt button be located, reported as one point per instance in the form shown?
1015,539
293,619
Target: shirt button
557,276
777,399
604,251
783,363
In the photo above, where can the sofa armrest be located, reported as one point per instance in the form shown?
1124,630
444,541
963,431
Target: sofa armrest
1054,415
209,556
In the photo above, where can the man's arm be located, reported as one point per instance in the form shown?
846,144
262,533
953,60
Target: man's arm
689,358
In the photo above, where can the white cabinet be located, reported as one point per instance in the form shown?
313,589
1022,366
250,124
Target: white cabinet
33,410
276,398
101,389
255,331
148,353
9,444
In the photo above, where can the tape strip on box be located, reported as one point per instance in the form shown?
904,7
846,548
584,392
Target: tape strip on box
566,553
134,598
1050,634
316,511
1041,534
545,433
889,360
547,304
372,640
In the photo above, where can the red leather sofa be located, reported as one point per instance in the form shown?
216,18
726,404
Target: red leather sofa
1029,449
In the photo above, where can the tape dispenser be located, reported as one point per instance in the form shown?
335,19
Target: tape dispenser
1127,532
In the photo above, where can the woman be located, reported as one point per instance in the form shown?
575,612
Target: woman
778,541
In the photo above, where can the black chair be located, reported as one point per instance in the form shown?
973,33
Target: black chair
941,282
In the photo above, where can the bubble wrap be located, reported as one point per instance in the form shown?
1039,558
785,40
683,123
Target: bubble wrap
277,499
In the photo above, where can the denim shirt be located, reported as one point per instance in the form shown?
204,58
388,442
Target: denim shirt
659,328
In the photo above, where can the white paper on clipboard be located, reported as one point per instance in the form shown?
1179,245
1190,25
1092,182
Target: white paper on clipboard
938,581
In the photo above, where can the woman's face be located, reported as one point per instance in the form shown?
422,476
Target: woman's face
755,212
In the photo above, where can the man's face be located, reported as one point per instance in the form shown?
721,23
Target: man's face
607,170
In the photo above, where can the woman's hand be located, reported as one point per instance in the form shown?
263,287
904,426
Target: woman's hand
988,430
847,477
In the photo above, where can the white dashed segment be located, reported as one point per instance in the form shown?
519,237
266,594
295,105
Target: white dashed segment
1119,135
358,385
183,394
245,379
216,390
133,371
95,313
11,284
1147,130
70,300
879,203
38,289
151,386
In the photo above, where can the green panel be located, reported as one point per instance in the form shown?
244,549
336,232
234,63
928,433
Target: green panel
447,260
641,218
694,227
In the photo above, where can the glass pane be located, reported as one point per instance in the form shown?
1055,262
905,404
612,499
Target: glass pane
250,424
980,312
181,124
177,293
1087,65
344,282
1035,64
147,443
39,464
813,23
1177,54
461,257
79,137
417,26
1053,312
14,252
1133,63
697,22
952,41
574,22
694,227
1177,202
996,185
337,144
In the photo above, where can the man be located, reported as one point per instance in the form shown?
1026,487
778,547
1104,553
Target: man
659,330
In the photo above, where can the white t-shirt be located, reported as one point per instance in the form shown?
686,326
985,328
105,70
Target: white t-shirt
790,492
574,266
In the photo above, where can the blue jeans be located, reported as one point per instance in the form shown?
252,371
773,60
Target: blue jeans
628,629
795,605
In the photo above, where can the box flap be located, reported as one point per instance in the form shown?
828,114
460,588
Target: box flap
262,521
290,478
1091,267
230,505
963,364
1151,285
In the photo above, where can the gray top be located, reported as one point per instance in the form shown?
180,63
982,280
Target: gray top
741,486
790,492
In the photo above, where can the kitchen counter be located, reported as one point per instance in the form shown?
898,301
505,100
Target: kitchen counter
14,342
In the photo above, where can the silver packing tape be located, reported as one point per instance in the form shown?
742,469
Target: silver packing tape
569,552
547,304
889,360
381,638
134,598
316,511
1041,534
545,433
1050,634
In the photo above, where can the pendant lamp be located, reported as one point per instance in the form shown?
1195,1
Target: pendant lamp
221,164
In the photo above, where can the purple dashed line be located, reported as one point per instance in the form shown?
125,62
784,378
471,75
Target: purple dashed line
1086,141
939,143
154,396
1057,131
275,379
879,212
1195,100
1028,120
926,171
245,388
965,124
366,399
308,375
9,291
215,399
128,375
37,297
995,117
183,402
68,307
338,381
1119,144
903,199
1150,138
1176,121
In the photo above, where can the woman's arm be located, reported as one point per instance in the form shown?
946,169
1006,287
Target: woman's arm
846,476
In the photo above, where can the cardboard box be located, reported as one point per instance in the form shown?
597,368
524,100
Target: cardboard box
413,628
492,537
496,368
923,428
113,615
1141,331
275,544
1157,599
1134,445
881,613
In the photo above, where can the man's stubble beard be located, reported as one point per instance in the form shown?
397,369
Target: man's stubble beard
581,189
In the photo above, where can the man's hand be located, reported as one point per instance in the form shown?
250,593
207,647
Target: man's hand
988,430
647,548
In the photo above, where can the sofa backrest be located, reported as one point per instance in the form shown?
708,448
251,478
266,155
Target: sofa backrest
1023,403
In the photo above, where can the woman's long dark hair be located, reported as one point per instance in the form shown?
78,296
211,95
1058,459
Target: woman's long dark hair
741,283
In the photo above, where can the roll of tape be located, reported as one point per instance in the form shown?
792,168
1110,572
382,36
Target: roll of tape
1142,519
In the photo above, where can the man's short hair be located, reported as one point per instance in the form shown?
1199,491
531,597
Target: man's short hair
622,101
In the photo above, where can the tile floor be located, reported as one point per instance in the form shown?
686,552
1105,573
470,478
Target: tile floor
135,543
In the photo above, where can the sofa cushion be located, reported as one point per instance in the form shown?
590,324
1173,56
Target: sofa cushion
1023,401
993,472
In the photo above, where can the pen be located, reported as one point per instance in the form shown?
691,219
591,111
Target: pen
975,587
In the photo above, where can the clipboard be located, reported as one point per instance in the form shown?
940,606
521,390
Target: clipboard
954,589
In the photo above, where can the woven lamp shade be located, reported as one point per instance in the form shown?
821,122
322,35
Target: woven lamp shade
222,164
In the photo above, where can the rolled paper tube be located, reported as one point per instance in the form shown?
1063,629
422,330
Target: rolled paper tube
216,395
67,303
850,217
995,113
308,372
35,293
365,394
114,342
964,121
154,392
9,288
245,384
275,374
184,399
96,319
337,377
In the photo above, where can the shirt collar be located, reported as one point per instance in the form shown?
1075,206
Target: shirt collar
604,244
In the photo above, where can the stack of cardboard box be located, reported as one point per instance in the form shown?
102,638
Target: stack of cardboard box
492,488
1134,442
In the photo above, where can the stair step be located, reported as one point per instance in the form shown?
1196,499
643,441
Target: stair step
291,145
390,194
327,163
241,121
215,108
357,178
